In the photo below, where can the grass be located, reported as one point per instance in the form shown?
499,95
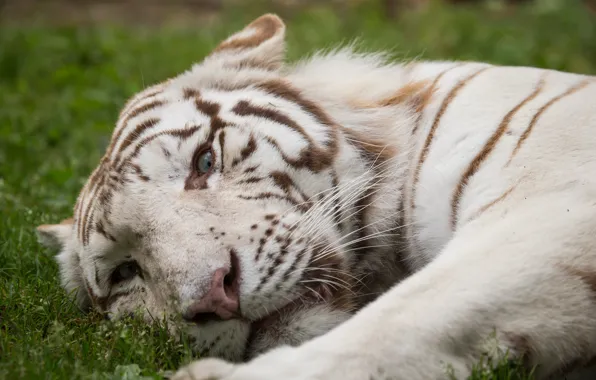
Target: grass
60,92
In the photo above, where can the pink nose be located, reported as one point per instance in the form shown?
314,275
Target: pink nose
220,302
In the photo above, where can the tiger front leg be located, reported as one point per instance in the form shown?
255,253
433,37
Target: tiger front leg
523,285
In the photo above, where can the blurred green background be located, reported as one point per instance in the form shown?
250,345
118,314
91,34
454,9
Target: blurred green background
66,67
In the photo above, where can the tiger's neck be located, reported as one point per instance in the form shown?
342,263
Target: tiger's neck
375,114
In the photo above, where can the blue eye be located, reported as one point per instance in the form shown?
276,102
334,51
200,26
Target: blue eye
205,162
125,272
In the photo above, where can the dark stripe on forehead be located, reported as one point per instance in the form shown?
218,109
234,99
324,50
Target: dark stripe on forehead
129,115
286,91
189,93
182,134
134,136
312,157
141,96
206,107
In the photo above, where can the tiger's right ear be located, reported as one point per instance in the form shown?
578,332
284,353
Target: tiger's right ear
55,236
260,45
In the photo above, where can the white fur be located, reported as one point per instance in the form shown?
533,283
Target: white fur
520,269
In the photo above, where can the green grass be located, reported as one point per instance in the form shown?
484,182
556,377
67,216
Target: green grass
60,93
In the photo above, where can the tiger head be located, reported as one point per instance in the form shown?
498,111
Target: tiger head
243,198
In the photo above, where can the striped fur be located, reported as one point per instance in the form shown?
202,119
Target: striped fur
444,200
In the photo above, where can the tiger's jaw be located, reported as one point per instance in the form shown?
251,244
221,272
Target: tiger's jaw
284,299
295,323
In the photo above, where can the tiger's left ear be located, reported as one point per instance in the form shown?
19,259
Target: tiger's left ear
55,236
260,45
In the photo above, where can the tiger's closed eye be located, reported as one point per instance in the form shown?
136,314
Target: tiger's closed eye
125,272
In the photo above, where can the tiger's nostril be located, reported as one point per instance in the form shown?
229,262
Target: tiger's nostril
230,280
202,318
221,302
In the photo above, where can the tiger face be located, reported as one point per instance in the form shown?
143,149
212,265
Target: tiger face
230,202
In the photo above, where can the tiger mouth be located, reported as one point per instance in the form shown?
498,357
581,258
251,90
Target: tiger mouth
318,295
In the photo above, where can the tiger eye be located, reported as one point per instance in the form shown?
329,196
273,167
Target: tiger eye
125,272
205,162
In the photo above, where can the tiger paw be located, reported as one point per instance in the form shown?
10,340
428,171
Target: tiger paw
284,363
206,369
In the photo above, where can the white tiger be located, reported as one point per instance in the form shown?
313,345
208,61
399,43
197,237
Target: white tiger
269,205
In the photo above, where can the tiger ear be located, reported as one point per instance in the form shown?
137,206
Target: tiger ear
260,45
55,236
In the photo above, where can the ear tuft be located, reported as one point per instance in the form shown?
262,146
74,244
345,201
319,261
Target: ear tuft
55,236
260,44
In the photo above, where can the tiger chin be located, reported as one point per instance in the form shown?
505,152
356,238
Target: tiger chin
346,217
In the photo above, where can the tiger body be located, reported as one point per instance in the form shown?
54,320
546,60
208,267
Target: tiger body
381,226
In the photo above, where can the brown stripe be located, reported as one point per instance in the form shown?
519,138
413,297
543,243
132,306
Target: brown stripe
491,204
87,217
180,133
269,195
486,151
130,115
431,91
429,138
222,139
134,136
140,110
534,120
140,173
312,157
247,151
285,183
88,225
141,96
206,107
292,268
189,93
286,91
250,180
81,208
88,194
